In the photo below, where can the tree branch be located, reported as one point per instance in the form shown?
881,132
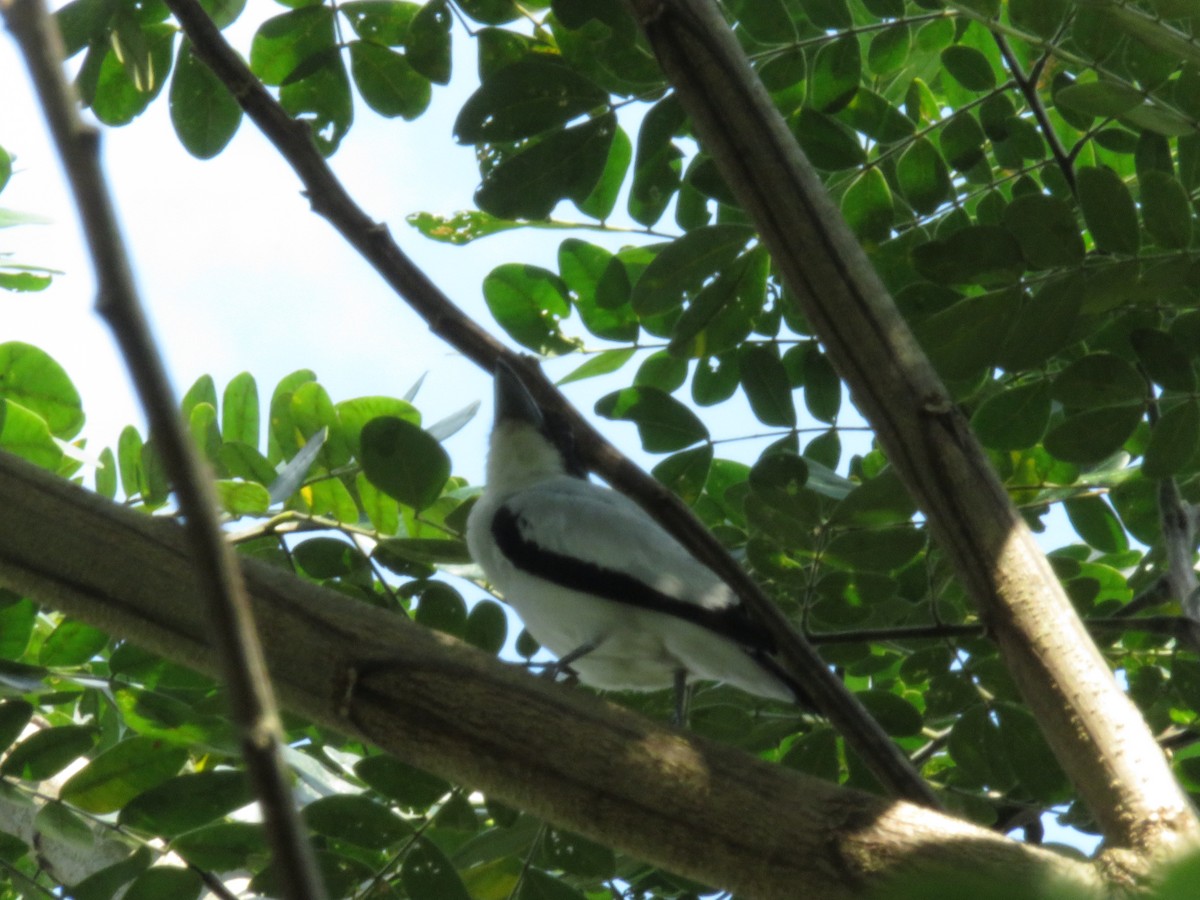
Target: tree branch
704,810
1097,734
1027,84
375,244
231,623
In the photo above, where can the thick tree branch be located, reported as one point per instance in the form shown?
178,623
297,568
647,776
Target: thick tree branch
1097,734
376,245
231,623
692,806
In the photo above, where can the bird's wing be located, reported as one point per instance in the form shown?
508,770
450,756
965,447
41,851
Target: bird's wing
587,538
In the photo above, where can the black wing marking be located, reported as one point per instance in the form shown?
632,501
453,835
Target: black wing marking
732,622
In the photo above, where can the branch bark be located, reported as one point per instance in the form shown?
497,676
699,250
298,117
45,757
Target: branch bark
694,807
1098,736
251,702
372,240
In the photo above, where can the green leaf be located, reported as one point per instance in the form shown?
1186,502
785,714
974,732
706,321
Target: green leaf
428,43
487,627
822,387
685,473
566,164
1166,210
1174,439
33,379
357,820
132,72
25,434
1163,359
322,99
353,415
403,461
442,608
103,885
1108,210
978,254
427,873
969,67
664,424
1094,435
877,551
576,855
602,200
1043,325
868,206
527,98
167,719
1042,17
898,717
599,284
129,460
603,363
528,302
683,265
387,82
122,772
766,384
836,72
1032,761
382,21
47,752
222,846
186,802
872,115
922,176
1095,522
17,618
962,141
14,716
71,643
1046,229
656,164
1013,419
165,881
286,42
966,338
1097,380
826,142
239,410
1099,98
889,49
882,501
243,498
490,12
203,112
410,787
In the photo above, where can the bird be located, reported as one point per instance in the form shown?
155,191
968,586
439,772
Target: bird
596,580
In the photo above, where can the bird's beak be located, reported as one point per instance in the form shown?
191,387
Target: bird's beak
513,401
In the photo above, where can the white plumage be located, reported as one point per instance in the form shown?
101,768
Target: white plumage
596,580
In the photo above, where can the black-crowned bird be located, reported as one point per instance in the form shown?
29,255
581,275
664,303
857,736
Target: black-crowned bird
596,580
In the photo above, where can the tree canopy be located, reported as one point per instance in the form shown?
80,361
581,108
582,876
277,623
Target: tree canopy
1020,178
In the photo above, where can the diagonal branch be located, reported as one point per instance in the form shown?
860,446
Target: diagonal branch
375,244
1098,736
232,624
702,809
1027,84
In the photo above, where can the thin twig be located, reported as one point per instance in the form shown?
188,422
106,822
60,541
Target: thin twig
1028,87
330,200
232,627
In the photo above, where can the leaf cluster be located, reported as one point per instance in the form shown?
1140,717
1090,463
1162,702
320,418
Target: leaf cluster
1023,177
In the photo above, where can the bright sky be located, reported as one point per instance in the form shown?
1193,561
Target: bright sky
237,272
